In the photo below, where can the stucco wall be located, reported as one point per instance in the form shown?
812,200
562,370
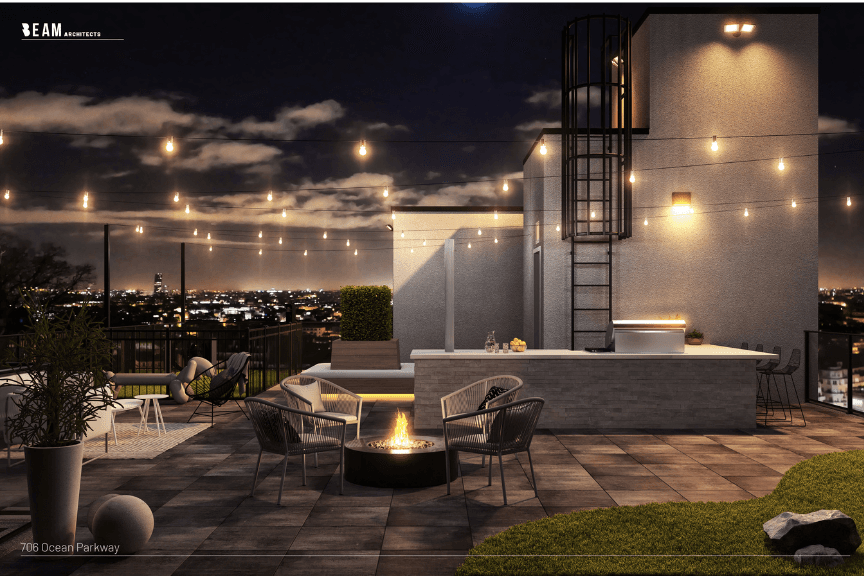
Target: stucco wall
735,278
488,278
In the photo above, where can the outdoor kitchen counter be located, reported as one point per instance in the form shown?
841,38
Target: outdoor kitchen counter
705,387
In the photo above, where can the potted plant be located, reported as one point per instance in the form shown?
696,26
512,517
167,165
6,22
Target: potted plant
694,338
366,333
63,357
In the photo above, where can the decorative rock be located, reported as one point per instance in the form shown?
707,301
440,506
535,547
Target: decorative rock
818,555
831,528
94,506
125,521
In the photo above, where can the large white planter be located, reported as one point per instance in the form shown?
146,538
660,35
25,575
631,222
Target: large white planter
53,484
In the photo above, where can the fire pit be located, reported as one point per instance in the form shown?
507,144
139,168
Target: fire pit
398,461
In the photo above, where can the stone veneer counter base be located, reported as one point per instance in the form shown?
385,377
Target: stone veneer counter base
705,387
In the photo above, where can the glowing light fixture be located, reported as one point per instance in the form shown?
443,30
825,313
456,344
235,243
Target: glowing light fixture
747,27
187,208
424,242
195,233
403,234
848,201
362,148
270,196
325,235
496,214
469,244
632,177
86,198
592,214
793,204
260,251
479,232
211,248
714,144
496,240
1,137
305,252
280,240
737,29
284,213
505,186
355,252
646,221
615,61
781,166
260,234
386,193
6,195
176,196
412,250
543,146
136,228
393,215
681,203
557,228
348,242
140,229
169,146
746,212
208,236
389,227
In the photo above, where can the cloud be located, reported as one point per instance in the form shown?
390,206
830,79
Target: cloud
547,98
432,174
227,154
290,121
829,125
386,126
537,125
469,149
119,174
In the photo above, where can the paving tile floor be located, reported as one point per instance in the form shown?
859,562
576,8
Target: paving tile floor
206,522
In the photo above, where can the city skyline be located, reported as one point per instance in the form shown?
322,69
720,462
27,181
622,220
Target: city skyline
448,97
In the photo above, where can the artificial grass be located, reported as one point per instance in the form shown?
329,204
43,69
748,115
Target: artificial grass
680,537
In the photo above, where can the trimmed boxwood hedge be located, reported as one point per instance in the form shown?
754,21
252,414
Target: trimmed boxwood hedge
367,313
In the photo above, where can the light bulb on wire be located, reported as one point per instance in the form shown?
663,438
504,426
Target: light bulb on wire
325,235
469,244
176,196
781,166
646,221
496,240
746,212
211,248
496,214
543,146
386,193
270,196
403,234
592,214
305,252
260,251
793,204
1,137
136,228
362,148
632,177
848,201
195,233
187,208
169,146
86,198
355,252
348,242
412,250
140,229
284,213
557,228
479,232
714,143
6,195
424,242
506,187
280,240
208,236
260,234
393,215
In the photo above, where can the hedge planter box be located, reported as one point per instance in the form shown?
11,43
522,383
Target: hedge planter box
363,355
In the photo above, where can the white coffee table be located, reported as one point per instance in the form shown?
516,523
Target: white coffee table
145,410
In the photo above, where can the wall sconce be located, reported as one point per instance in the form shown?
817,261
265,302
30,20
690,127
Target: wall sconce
681,203
737,29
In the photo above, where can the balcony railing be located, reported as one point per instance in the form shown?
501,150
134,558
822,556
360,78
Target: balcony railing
276,351
834,370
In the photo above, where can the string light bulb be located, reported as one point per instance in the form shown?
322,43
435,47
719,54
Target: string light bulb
848,200
169,146
86,198
506,187
211,248
348,242
362,148
260,234
781,166
195,233
270,196
1,137
136,228
479,232
746,212
355,252
714,143
260,251
6,195
386,193
496,214
140,229
469,244
543,146
176,196
325,234
284,213
305,252
646,221
208,236
280,240
412,250
557,228
393,215
592,214
632,177
187,208
403,234
794,204
424,242
496,240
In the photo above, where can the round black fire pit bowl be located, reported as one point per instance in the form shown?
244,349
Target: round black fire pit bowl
412,468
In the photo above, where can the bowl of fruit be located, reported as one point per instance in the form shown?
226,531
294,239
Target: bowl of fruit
518,345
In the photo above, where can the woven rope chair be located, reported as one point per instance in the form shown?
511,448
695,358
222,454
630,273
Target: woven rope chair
202,387
471,397
511,431
283,430
338,402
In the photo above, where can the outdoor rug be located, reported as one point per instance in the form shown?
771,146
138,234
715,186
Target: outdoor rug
147,445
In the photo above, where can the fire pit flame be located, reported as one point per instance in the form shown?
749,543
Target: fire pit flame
400,439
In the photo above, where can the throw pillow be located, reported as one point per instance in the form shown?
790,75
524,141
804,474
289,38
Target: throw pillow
310,392
493,393
188,373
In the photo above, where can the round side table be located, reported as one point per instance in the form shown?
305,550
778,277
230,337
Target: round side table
145,410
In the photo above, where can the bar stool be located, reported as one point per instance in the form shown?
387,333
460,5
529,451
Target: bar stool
767,402
788,370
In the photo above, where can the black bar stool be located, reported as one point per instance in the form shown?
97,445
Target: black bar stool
788,370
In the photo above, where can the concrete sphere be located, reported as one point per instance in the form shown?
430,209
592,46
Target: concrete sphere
94,506
126,521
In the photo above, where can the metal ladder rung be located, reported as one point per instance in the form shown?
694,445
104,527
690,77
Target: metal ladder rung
592,285
593,263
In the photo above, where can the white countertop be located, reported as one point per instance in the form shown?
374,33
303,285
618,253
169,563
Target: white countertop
703,352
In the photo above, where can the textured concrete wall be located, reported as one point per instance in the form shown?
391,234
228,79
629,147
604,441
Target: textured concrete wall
488,278
661,394
735,278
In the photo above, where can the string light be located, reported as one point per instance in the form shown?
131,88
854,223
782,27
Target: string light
176,196
270,196
793,204
355,252
195,233
304,252
393,215
848,201
211,248
141,230
592,214
325,234
208,236
260,251
284,213
646,221
479,232
348,242
714,144
424,242
169,146
280,240
260,234
496,214
469,244
6,195
746,212
86,198
632,177
136,228
496,240
403,234
558,228
386,193
505,186
187,208
1,137
543,146
412,250
781,166
362,148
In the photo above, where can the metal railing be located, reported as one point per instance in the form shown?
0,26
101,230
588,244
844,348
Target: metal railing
834,370
276,351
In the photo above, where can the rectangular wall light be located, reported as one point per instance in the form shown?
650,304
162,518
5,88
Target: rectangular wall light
681,203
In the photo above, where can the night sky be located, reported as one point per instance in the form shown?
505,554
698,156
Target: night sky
447,96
